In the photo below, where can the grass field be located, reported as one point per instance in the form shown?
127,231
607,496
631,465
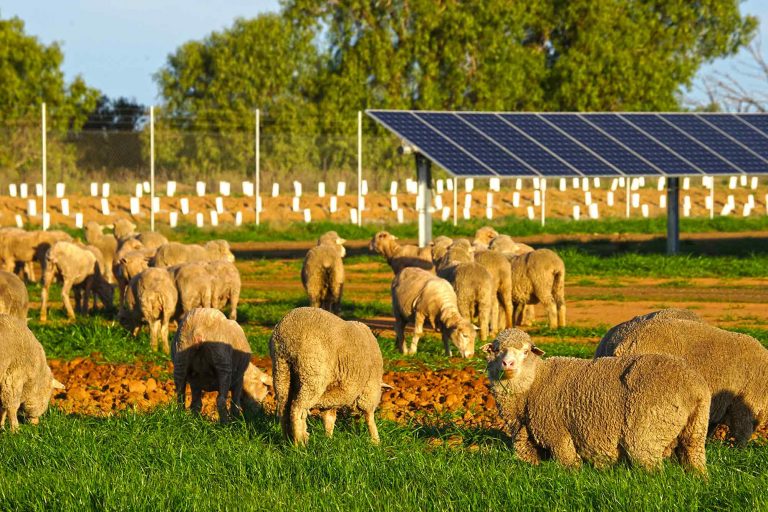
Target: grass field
168,459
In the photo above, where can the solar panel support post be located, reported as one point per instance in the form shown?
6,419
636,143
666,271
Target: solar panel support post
712,199
424,199
543,200
673,216
455,201
628,195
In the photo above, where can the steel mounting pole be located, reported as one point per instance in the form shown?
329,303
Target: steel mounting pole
673,216
424,198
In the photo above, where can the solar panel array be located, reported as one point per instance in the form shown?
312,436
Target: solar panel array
585,144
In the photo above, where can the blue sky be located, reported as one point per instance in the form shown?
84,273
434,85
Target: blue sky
117,45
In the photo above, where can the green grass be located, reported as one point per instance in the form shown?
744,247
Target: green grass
170,460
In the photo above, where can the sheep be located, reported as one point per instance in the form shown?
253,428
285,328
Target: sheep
26,380
322,273
439,247
501,273
538,276
400,256
175,253
211,353
474,289
79,269
7,236
14,299
123,229
151,240
25,247
225,286
640,408
128,265
151,297
194,284
505,245
321,361
483,238
131,244
419,295
106,243
734,365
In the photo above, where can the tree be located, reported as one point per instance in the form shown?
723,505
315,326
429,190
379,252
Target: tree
30,74
121,114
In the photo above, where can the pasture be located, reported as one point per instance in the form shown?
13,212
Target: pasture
114,440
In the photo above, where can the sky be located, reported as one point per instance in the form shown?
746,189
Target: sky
117,45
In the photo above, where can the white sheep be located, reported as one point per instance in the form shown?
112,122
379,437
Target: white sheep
539,276
14,299
151,297
322,273
106,243
175,253
225,285
321,361
400,256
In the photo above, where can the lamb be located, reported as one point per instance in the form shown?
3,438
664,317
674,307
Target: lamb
505,245
400,256
501,273
419,295
483,238
79,269
175,253
106,243
128,265
151,297
225,286
14,299
26,380
25,247
322,273
734,365
321,361
640,408
474,289
194,284
539,276
211,353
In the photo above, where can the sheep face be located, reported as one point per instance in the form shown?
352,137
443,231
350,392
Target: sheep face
381,240
485,234
510,354
463,337
256,383
36,404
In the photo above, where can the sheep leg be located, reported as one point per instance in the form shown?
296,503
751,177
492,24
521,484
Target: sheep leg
10,398
281,378
164,333
236,408
197,399
494,319
418,330
234,298
65,298
372,430
87,296
222,363
506,301
29,268
691,449
329,421
483,319
337,293
525,449
549,305
44,305
529,315
308,395
519,308
154,333
3,415
78,299
565,453
400,335
13,414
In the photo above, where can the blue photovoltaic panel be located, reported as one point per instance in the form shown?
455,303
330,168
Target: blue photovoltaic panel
591,144
699,156
642,145
579,157
523,147
741,131
614,152
479,146
718,142
434,146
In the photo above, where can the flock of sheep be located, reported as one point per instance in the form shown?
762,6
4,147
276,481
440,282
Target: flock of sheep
658,385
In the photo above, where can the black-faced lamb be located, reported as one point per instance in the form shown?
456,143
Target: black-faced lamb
151,297
26,381
322,273
418,295
639,408
734,365
321,361
14,299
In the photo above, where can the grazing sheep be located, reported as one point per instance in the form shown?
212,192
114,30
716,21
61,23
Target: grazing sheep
505,245
151,297
194,284
640,408
128,265
225,286
321,361
539,276
106,243
14,299
419,295
440,246
501,273
26,380
151,240
483,238
175,253
474,289
734,365
26,247
123,229
78,269
322,273
211,353
400,256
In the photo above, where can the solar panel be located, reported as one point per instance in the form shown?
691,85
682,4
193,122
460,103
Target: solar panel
589,144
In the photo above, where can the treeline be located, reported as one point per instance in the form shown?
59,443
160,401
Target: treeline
311,67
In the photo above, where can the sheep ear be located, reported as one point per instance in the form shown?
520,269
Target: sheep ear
488,348
57,385
384,385
340,241
536,350
476,327
393,237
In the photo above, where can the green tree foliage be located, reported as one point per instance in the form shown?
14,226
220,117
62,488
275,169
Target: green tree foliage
30,74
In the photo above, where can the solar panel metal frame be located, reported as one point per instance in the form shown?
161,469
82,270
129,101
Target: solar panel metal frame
759,130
